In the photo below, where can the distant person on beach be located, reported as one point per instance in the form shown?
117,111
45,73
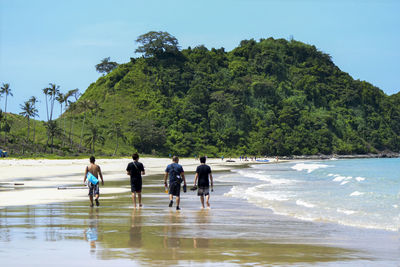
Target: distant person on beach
93,182
136,169
202,180
176,177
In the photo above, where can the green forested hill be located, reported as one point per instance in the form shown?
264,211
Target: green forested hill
273,97
267,97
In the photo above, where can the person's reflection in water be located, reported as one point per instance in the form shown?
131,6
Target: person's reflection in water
91,234
135,231
202,219
171,231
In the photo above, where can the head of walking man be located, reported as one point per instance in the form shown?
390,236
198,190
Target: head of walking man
135,156
92,159
175,159
203,159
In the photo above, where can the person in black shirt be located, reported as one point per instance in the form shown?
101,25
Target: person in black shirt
203,179
136,169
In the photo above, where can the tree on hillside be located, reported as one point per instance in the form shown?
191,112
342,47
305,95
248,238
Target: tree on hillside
118,133
66,106
50,92
157,43
28,111
53,92
83,106
52,130
72,107
5,90
92,137
33,101
106,66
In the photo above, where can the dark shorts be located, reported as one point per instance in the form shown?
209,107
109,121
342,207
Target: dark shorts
94,189
136,185
203,191
175,189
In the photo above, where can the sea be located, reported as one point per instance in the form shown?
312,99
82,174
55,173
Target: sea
361,193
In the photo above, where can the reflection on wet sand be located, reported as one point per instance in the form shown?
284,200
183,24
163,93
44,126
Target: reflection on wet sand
135,231
91,233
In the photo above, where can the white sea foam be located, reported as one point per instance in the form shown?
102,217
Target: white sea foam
304,204
360,179
264,177
347,212
395,206
308,167
339,178
356,193
344,182
255,194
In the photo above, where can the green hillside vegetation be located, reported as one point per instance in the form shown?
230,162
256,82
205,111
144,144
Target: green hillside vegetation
266,97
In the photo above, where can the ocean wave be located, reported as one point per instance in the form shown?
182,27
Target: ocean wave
356,193
254,194
347,212
304,204
308,167
339,178
344,182
359,179
264,177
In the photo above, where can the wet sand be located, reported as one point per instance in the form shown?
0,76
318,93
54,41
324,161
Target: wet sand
232,233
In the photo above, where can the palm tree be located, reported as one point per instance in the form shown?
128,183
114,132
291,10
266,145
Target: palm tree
28,111
61,99
70,106
46,92
53,131
53,92
33,101
93,137
84,106
119,134
5,89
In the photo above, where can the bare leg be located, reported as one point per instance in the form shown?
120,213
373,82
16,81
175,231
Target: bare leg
202,201
97,200
208,201
140,198
91,200
134,199
178,199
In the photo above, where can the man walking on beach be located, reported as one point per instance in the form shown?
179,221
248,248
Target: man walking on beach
136,169
176,177
92,173
204,178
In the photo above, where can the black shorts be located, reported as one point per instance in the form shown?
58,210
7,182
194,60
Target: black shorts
175,189
94,189
136,185
203,191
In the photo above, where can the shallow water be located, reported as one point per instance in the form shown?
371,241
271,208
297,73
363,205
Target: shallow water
233,232
361,192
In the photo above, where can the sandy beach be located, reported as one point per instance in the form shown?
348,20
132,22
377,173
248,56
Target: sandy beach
41,178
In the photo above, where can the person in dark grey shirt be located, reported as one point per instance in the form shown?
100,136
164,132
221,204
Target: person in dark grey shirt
136,169
203,179
176,177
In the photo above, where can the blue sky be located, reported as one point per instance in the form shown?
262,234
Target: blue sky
47,41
